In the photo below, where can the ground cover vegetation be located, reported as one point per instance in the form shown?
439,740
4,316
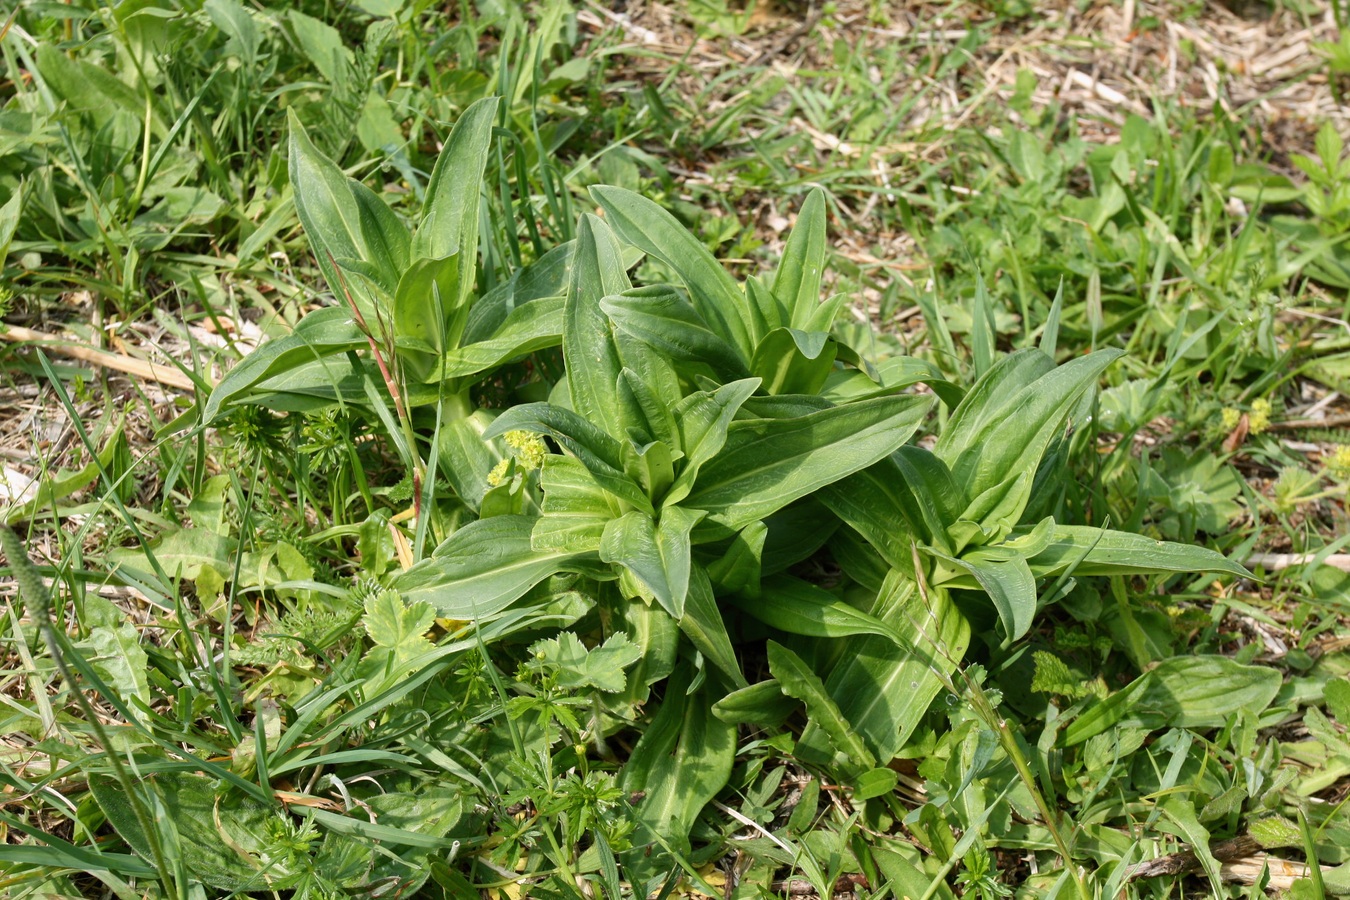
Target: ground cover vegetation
704,449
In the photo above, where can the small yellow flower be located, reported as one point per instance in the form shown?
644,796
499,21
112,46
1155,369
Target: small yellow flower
529,448
1230,418
1338,462
1259,420
498,473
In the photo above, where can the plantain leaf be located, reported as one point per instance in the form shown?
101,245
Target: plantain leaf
588,345
1182,692
762,703
702,624
1000,456
908,495
702,420
682,760
1100,551
799,607
768,463
988,400
796,679
547,276
892,375
344,219
481,569
219,833
426,317
449,222
647,411
740,569
600,453
658,554
319,334
797,281
529,327
794,362
884,688
1008,582
656,232
661,318
575,508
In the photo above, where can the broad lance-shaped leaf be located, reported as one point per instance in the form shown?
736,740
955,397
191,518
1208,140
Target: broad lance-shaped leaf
1183,692
656,232
741,569
763,703
424,303
702,419
532,326
321,333
988,399
884,688
797,282
892,376
796,679
344,219
906,494
1008,582
449,223
465,458
646,412
657,553
768,463
799,607
661,318
575,509
481,569
545,277
1085,550
593,363
601,454
682,760
702,623
997,466
794,362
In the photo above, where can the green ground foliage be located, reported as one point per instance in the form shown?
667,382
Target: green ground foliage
599,507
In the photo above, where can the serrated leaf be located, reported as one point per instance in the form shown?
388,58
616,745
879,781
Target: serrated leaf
576,667
116,654
390,622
